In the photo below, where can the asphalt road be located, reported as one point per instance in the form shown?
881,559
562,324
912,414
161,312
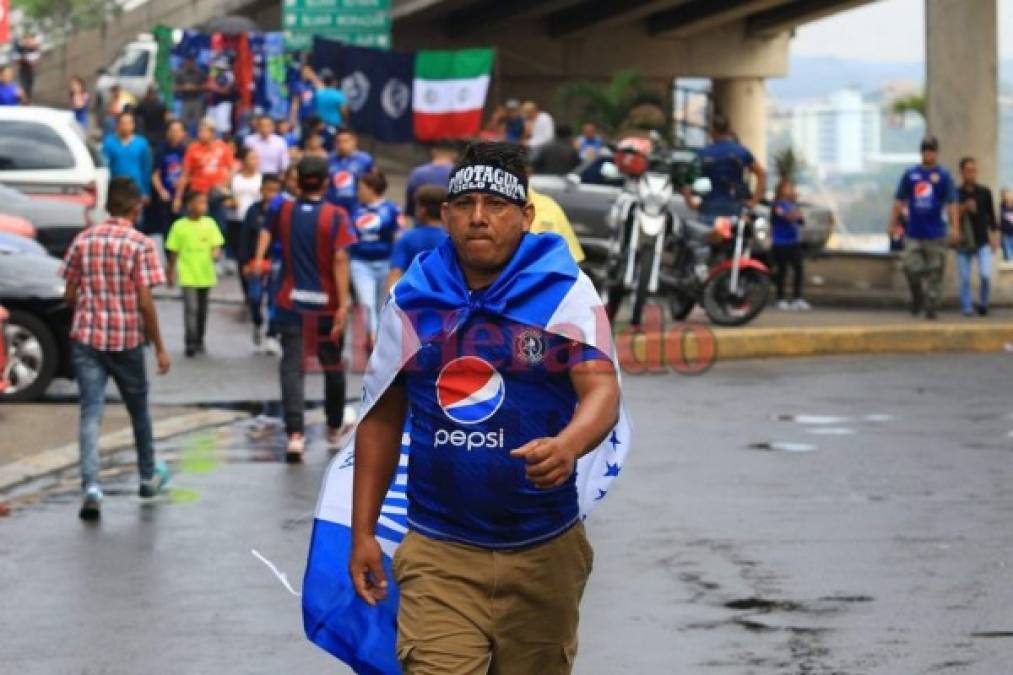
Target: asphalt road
841,515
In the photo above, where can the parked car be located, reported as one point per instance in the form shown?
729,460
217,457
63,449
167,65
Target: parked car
55,223
16,225
37,330
15,243
44,153
587,194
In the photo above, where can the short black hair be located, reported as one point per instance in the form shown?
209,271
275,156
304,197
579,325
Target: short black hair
192,195
126,113
508,156
173,122
429,198
270,178
122,196
375,180
720,124
964,161
345,130
445,145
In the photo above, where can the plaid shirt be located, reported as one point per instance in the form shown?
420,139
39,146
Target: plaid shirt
109,262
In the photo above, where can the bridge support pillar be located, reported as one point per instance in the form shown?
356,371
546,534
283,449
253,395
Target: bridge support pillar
962,76
743,102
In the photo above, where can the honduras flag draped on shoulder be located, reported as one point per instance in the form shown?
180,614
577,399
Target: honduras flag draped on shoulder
541,287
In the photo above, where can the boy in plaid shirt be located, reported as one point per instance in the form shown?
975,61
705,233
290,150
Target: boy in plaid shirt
110,269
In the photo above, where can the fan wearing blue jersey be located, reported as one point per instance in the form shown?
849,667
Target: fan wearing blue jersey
313,301
927,190
376,221
347,165
493,567
427,234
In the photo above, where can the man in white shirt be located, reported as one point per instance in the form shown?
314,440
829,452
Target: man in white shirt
541,127
271,149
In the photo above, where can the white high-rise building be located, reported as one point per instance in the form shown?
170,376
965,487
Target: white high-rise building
836,135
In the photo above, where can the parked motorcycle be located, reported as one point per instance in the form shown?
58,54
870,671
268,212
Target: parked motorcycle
642,220
712,265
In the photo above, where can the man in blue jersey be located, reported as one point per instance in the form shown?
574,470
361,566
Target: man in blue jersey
725,162
313,301
427,234
435,172
347,165
926,190
493,567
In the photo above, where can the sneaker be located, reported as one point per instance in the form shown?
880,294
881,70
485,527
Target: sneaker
981,309
91,507
930,313
258,338
801,305
784,305
156,484
190,352
295,448
336,437
272,346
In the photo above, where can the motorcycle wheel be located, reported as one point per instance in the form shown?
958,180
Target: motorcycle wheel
727,309
680,305
643,281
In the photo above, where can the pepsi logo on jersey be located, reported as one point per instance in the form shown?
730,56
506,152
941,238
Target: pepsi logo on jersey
469,391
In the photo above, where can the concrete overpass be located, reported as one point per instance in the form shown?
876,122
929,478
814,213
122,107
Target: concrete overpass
542,43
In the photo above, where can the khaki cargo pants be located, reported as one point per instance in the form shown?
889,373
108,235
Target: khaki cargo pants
469,611
924,263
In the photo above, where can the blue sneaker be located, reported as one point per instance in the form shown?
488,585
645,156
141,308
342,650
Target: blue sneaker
156,484
91,507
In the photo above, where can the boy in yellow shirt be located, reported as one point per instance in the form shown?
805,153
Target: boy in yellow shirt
194,244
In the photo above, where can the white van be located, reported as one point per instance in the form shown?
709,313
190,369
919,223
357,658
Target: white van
44,153
133,69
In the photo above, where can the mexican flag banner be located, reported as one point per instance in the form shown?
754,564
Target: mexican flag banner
448,92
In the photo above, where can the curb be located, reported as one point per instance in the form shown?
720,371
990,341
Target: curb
65,456
757,343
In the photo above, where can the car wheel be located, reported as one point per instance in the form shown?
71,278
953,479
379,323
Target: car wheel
31,357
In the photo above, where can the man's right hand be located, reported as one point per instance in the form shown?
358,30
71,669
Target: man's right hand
164,195
365,565
164,362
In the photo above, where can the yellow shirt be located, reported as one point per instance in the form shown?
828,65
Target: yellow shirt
194,243
549,217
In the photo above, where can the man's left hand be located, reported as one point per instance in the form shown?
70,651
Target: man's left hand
549,462
338,326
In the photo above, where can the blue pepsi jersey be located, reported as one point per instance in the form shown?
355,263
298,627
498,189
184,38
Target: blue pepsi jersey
309,233
345,172
786,231
415,241
170,166
725,162
491,387
305,92
927,191
375,226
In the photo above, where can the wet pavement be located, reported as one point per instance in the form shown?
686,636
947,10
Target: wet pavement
837,515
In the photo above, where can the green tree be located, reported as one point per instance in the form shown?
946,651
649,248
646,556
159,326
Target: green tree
787,164
614,105
905,104
67,15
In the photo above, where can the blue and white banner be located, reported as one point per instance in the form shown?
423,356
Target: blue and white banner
378,85
541,287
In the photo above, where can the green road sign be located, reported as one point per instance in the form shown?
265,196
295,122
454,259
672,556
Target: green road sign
364,23
335,5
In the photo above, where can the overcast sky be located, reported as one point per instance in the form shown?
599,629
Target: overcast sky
886,30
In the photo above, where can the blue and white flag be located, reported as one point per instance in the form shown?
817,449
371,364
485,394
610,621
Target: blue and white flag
541,287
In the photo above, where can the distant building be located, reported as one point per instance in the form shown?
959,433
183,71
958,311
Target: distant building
836,136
